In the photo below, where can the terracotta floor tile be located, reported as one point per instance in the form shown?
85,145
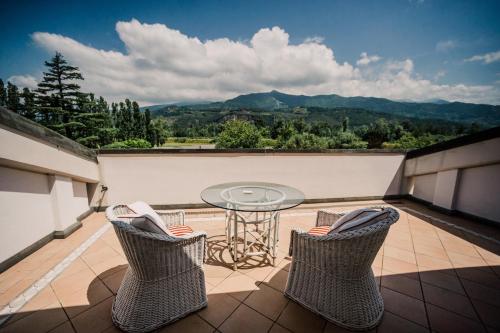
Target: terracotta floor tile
332,328
489,314
431,251
70,284
64,328
400,267
45,298
109,266
17,288
446,321
404,306
190,324
236,285
426,262
216,274
114,280
258,274
95,319
277,279
38,321
267,301
396,253
85,298
482,293
244,320
278,329
402,284
101,255
483,277
392,324
443,280
448,300
462,247
220,306
462,261
400,244
300,320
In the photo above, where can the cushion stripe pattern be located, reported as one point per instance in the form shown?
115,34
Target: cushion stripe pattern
180,230
319,231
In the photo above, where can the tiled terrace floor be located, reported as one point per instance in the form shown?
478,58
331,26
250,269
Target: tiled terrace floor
432,277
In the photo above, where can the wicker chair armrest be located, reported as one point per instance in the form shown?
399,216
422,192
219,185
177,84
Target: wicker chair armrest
198,239
326,218
172,217
293,235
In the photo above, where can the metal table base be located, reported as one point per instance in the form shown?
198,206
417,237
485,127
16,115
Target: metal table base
265,233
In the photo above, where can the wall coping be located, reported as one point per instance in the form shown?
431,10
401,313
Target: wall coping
21,124
488,134
174,151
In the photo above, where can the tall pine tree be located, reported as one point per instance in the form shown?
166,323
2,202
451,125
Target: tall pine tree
57,93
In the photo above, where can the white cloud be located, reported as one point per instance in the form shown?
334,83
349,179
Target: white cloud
439,75
164,65
365,59
445,45
314,39
23,81
486,58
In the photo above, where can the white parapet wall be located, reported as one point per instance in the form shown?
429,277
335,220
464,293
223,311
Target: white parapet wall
464,178
43,186
178,178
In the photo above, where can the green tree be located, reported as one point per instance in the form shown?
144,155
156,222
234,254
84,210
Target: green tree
346,140
29,109
239,134
3,94
150,132
13,100
304,141
345,124
377,133
58,92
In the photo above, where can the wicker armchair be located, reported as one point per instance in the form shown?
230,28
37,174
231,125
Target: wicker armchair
164,281
332,276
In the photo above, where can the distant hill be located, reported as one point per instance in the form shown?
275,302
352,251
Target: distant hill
488,115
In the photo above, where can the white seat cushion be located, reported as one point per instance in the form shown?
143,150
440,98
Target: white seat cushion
358,219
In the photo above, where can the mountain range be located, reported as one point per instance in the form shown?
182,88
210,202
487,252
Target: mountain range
488,115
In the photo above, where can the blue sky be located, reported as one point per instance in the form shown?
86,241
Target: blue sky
436,44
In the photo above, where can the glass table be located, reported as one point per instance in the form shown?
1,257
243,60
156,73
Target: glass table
255,208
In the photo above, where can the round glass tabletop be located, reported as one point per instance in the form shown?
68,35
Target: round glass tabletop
252,196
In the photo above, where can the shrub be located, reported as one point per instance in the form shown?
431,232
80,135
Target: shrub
239,134
130,143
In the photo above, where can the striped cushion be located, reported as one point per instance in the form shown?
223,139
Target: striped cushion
319,231
180,230
358,219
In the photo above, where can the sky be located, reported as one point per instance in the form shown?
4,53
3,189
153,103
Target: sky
159,52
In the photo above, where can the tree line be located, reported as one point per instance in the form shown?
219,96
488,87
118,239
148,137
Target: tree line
59,104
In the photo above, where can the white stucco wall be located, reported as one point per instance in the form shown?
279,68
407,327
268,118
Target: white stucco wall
424,187
465,178
42,190
26,206
479,192
179,178
34,205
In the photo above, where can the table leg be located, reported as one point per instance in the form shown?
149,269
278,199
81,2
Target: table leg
235,241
